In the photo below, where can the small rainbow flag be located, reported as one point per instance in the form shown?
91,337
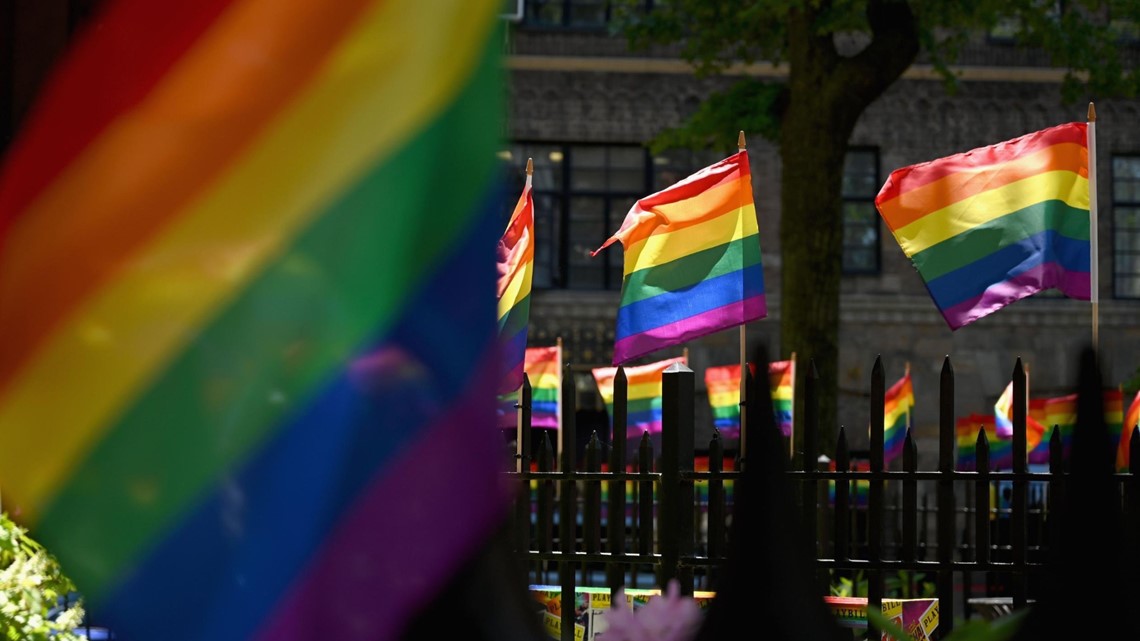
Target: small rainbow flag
1001,448
247,316
1123,448
543,365
859,490
897,405
1003,415
993,225
1061,414
782,378
643,396
692,261
515,261
723,384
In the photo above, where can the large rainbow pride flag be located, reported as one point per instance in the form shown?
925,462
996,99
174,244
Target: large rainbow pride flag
993,225
692,261
1060,414
515,260
245,294
898,404
643,394
1000,447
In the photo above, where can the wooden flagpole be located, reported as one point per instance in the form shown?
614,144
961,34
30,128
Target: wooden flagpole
743,347
519,453
906,373
1094,228
558,406
792,430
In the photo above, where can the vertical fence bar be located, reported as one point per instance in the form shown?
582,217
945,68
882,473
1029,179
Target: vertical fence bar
875,495
842,491
909,502
592,516
522,464
676,508
544,519
615,573
947,519
809,427
645,498
567,531
1017,519
716,510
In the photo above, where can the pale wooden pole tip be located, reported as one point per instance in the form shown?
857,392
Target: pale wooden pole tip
529,166
740,139
1092,112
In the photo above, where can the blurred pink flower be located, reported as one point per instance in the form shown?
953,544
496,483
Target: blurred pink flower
668,617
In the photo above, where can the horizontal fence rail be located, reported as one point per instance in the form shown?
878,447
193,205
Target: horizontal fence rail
973,539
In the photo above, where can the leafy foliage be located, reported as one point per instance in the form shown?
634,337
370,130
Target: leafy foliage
32,585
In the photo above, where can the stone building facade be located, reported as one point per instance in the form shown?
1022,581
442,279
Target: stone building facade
583,86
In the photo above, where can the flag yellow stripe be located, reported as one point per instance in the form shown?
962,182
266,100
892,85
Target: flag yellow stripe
662,248
966,214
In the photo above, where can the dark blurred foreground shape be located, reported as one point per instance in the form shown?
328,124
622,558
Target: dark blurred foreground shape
1090,587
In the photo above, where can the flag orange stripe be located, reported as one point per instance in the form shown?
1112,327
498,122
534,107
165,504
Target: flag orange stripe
912,205
714,202
136,168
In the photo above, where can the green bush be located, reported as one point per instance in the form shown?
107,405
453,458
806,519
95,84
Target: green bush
32,587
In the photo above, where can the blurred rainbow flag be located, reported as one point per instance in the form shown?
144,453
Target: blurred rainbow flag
643,396
1060,413
782,378
1123,448
723,384
246,294
543,365
859,490
897,405
515,261
692,261
1001,448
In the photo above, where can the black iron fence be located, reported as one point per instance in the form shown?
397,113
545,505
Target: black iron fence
634,517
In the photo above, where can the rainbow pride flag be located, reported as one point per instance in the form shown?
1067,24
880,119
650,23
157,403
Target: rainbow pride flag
543,365
898,402
244,248
782,378
723,384
1123,448
1001,448
692,261
993,225
1003,415
1061,415
515,260
858,490
643,395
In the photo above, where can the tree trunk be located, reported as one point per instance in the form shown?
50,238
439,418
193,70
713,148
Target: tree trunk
826,95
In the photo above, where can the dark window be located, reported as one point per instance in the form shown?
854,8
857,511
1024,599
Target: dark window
582,194
1126,226
577,14
860,218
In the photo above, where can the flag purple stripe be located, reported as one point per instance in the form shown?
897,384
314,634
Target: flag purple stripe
386,520
690,328
1072,284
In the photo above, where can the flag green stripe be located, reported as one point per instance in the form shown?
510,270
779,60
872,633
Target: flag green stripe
981,241
692,269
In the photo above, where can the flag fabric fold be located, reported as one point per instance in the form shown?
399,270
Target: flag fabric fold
993,225
643,395
248,241
898,403
515,260
692,261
